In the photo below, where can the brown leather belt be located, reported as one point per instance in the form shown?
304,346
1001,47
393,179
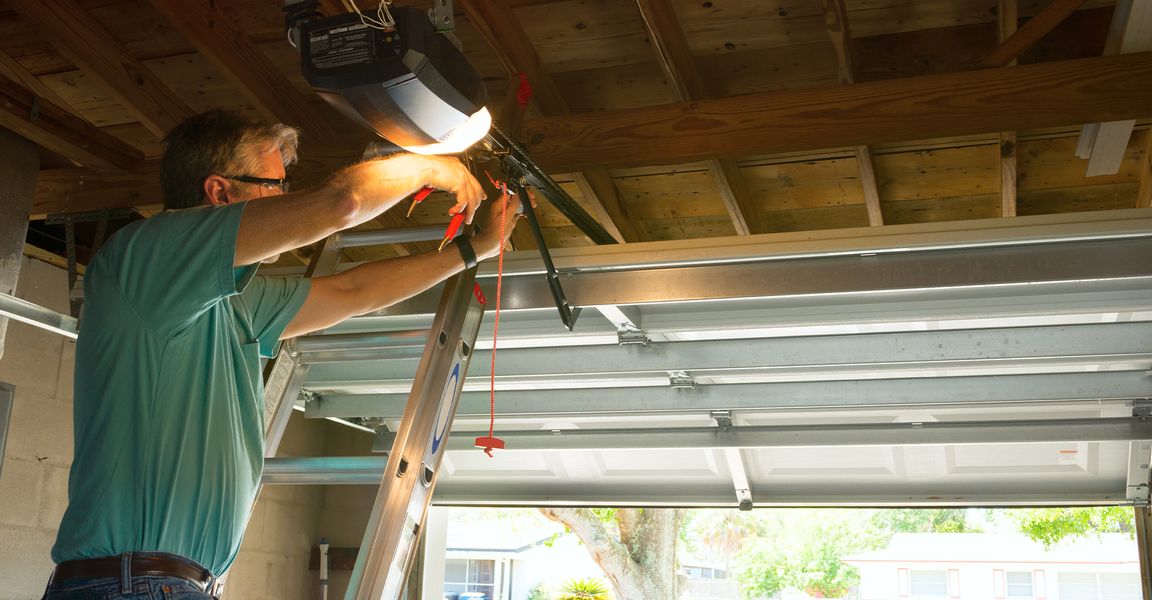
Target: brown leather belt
143,565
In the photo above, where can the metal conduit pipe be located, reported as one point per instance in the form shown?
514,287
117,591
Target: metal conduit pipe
354,239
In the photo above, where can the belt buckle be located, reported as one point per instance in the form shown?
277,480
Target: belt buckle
214,588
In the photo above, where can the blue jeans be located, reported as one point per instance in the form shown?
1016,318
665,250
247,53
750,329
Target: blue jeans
128,585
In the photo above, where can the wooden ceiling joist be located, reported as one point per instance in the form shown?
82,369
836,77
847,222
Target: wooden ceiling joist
1026,97
1009,17
12,69
90,46
57,129
208,26
836,20
1027,36
497,24
675,58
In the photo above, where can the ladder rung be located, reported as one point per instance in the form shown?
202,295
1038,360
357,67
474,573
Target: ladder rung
343,347
353,239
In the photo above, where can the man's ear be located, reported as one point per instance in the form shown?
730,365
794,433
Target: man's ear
216,190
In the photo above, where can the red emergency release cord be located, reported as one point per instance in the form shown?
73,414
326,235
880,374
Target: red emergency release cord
491,442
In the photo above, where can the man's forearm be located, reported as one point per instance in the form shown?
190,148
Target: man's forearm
372,286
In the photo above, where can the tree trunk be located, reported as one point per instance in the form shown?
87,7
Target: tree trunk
635,547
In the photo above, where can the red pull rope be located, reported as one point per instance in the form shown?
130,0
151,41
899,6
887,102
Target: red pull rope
492,442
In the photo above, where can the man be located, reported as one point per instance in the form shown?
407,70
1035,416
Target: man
168,402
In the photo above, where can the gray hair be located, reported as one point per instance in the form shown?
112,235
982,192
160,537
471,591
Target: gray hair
218,142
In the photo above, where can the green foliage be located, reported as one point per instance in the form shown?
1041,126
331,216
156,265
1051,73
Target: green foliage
801,549
583,589
606,515
537,592
923,520
1049,526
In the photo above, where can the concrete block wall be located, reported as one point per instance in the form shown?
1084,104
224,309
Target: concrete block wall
34,477
273,560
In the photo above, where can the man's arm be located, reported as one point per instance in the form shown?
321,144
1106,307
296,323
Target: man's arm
376,285
354,195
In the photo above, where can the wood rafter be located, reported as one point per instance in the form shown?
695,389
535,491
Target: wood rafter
968,103
675,57
58,130
836,20
87,44
1144,194
207,25
496,23
10,68
1037,27
1009,16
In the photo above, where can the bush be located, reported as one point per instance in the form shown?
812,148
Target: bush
583,589
537,592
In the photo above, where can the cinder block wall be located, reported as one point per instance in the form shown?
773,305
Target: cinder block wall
273,560
286,523
34,477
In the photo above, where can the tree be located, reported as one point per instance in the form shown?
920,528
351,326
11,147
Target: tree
1049,526
722,531
923,520
635,547
801,550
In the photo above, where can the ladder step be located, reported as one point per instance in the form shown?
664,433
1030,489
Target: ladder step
341,347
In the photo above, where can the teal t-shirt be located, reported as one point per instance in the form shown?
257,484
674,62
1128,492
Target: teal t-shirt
168,404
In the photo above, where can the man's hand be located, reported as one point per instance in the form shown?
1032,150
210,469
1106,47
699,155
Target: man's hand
488,242
379,184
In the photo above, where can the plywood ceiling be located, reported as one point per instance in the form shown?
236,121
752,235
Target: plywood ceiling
721,95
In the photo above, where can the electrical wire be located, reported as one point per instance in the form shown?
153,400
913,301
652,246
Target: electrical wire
383,20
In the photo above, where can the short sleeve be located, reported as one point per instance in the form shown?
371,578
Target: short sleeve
272,303
172,267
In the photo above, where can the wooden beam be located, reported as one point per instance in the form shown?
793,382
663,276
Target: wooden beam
836,21
1037,27
58,130
672,50
1009,17
497,24
1144,194
212,30
69,190
1008,174
675,58
91,47
975,102
871,188
15,71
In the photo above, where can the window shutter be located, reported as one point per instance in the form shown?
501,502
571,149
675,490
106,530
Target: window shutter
902,582
953,583
999,583
1038,588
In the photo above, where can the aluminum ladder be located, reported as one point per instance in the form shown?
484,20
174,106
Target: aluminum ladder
394,526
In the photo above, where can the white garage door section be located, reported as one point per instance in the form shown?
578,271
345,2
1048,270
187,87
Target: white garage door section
991,362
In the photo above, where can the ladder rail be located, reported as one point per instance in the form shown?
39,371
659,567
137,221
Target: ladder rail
398,514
